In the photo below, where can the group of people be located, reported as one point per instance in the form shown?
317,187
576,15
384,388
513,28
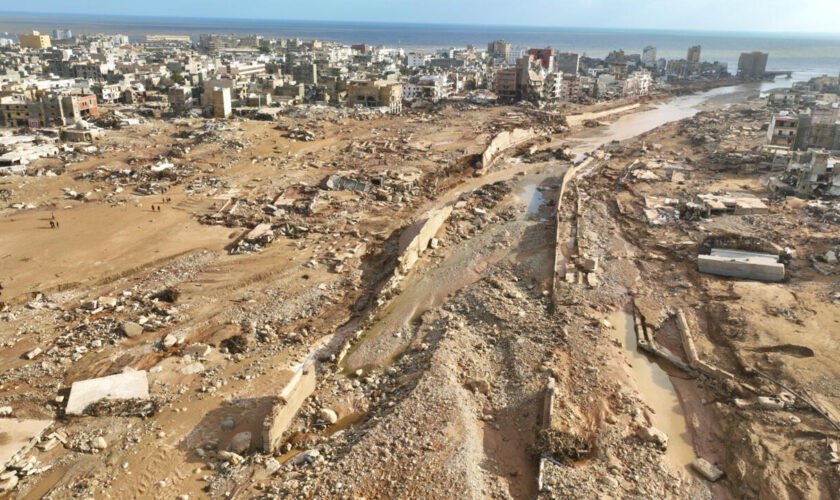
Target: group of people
166,199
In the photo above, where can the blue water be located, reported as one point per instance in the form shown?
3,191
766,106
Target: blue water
807,54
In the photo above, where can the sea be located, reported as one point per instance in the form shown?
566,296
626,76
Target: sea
807,55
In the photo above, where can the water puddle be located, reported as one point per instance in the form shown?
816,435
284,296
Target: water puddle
285,457
532,196
656,390
345,422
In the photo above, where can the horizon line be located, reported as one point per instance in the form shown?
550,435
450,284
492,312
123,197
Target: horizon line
408,23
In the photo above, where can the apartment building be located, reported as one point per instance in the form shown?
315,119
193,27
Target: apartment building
375,94
35,41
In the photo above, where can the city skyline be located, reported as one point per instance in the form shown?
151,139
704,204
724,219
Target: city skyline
811,16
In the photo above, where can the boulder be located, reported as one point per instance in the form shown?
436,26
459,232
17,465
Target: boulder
241,442
328,415
131,329
653,435
706,469
99,443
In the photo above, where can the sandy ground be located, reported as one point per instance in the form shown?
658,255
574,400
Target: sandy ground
441,393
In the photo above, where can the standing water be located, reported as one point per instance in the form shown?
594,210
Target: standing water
656,390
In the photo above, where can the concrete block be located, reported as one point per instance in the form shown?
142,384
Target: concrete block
128,385
286,406
18,436
706,469
416,238
131,329
760,269
770,403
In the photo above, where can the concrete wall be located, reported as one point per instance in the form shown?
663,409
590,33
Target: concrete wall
286,406
560,227
503,141
739,268
574,120
416,238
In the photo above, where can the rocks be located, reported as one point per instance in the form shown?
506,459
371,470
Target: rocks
98,443
197,350
231,457
271,465
33,353
770,403
6,411
9,484
169,341
653,435
706,469
131,329
830,257
307,457
228,423
193,368
241,442
479,386
590,264
328,415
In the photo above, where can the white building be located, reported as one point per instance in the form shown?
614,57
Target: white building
637,83
429,87
418,60
516,54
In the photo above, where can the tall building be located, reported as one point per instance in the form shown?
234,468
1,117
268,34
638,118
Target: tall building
35,41
499,49
544,56
505,83
693,56
220,99
752,64
567,62
649,56
62,34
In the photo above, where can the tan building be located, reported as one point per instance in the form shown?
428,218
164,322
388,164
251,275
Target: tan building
375,94
14,111
35,41
220,99
179,98
782,131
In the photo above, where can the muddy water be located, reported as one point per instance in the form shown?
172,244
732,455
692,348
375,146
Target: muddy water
656,390
529,192
657,114
466,264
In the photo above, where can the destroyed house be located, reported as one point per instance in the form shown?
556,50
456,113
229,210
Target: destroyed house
815,172
782,131
733,203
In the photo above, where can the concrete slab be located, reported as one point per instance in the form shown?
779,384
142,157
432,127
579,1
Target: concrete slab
743,254
286,406
707,470
759,268
18,436
128,385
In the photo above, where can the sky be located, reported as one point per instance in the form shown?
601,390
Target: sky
801,16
